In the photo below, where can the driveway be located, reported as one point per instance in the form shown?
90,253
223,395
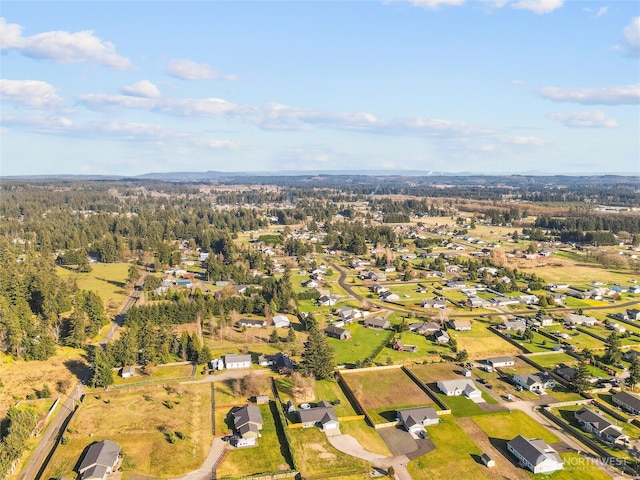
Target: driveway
218,448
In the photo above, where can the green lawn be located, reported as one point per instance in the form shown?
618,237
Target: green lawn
461,406
265,457
508,425
480,342
452,456
159,373
553,359
363,343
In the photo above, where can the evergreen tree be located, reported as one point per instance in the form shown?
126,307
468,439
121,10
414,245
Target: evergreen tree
580,382
133,275
634,372
102,368
274,338
612,353
317,357
291,335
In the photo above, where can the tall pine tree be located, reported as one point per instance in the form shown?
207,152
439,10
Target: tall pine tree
317,357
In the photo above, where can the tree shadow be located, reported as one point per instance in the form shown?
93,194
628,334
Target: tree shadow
77,367
112,282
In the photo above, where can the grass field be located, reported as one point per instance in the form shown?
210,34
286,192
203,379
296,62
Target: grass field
575,466
508,425
480,342
20,378
363,344
315,455
452,456
106,279
366,435
224,395
160,372
386,389
461,406
551,360
265,457
330,391
141,422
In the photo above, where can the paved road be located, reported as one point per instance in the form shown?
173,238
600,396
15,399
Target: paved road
37,462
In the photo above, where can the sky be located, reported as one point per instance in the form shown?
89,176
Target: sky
482,86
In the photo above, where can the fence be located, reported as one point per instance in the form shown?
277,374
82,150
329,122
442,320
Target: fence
509,339
360,410
370,369
430,393
351,418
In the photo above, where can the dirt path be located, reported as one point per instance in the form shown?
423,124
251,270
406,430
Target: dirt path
218,447
503,468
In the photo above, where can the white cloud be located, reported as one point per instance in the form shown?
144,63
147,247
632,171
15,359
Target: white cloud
522,140
538,6
190,70
432,4
593,119
31,93
631,37
619,95
62,47
517,82
143,88
602,11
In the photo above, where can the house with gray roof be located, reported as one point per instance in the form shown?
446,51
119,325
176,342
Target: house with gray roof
377,322
247,423
535,454
602,428
99,461
585,320
337,332
515,324
441,336
232,361
424,328
415,419
534,382
322,415
499,362
627,402
461,325
459,387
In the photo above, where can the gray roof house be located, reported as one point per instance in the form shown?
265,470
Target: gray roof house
627,402
377,322
515,324
237,361
337,332
441,336
424,327
323,416
415,419
534,382
250,323
459,387
247,422
498,362
602,428
581,320
461,325
535,454
281,321
99,461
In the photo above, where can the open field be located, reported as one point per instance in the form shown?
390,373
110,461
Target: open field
265,457
225,396
363,344
330,391
20,378
106,279
481,342
553,359
386,388
508,425
142,422
315,455
452,457
160,372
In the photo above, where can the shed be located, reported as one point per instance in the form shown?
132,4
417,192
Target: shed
487,460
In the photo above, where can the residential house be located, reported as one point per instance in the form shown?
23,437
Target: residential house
456,284
281,321
459,387
499,362
434,303
627,402
461,325
377,322
251,323
99,461
515,324
558,298
529,299
566,372
602,428
630,355
545,320
389,296
280,361
415,419
327,300
534,382
232,361
247,423
441,336
323,416
128,371
535,454
424,328
477,302
337,332
504,301
633,314
584,320
348,314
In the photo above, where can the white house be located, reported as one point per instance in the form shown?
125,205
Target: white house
281,321
237,361
534,382
499,362
459,387
535,454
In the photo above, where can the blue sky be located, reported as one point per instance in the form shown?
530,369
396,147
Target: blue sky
488,86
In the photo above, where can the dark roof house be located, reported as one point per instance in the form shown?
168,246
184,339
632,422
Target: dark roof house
99,461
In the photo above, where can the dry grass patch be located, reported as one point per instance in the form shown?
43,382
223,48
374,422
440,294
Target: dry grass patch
161,433
20,378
